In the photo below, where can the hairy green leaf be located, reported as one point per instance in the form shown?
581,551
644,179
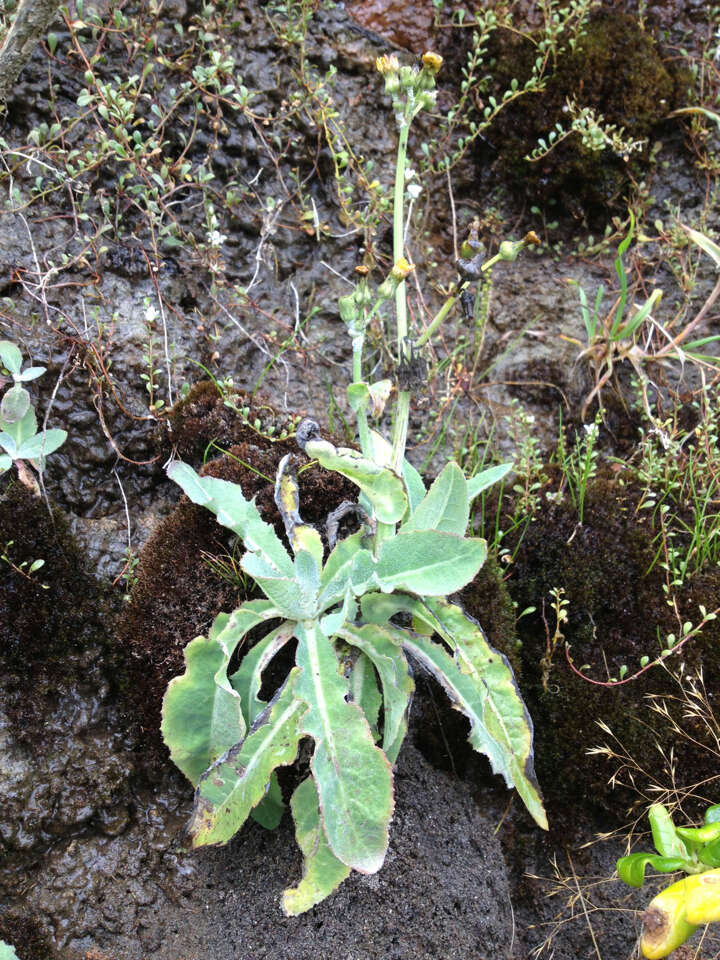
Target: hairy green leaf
504,715
5,462
20,430
284,591
236,783
201,715
269,812
42,444
414,486
382,647
15,404
232,510
353,777
322,871
335,576
247,679
365,692
10,356
481,685
486,478
429,562
445,507
383,488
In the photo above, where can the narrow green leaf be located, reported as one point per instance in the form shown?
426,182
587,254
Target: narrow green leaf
382,647
42,444
414,485
705,243
383,488
445,507
365,692
480,682
429,562
236,783
486,478
335,575
322,871
353,777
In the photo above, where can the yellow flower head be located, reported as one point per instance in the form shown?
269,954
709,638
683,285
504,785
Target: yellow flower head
432,62
387,64
401,270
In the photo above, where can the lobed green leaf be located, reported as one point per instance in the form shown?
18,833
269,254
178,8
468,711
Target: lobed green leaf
353,776
236,783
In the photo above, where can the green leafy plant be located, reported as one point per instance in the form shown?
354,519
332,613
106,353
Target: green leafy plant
675,913
360,615
7,952
615,337
20,439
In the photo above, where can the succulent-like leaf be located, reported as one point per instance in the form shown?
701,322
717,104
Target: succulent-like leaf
10,356
302,536
353,777
486,478
382,647
384,489
42,444
15,404
481,685
703,897
665,838
322,871
710,854
232,510
445,507
631,869
201,715
236,783
428,562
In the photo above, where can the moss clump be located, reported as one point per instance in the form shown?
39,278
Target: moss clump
617,70
616,611
179,590
24,933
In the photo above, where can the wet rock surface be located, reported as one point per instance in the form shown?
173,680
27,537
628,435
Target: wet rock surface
93,860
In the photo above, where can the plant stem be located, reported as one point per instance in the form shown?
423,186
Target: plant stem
361,415
402,409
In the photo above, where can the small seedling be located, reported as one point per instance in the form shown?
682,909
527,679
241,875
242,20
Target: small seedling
675,913
20,440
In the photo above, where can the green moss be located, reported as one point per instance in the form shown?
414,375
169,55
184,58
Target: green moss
618,71
616,609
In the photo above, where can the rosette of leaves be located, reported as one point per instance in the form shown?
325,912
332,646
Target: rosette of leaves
19,436
676,912
361,615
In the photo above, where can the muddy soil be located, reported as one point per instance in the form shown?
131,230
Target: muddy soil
94,862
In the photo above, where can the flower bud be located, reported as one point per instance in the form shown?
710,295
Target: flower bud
387,64
432,62
401,270
349,312
427,99
408,77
